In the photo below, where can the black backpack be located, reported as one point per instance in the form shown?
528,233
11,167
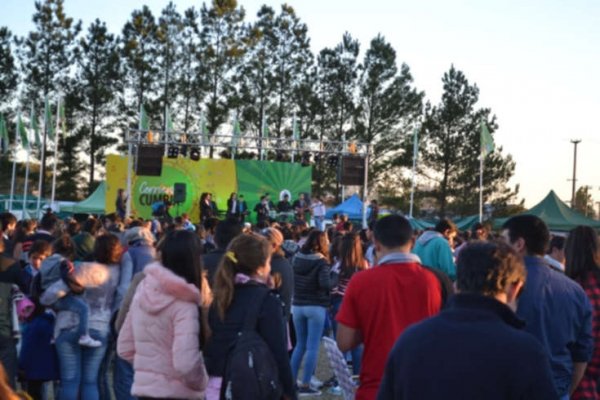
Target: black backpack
250,369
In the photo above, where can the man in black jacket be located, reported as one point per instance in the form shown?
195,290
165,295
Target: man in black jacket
476,348
225,232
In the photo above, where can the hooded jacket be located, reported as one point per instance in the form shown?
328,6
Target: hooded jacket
434,251
312,280
160,337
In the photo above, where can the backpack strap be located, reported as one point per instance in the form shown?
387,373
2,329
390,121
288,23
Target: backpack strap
253,311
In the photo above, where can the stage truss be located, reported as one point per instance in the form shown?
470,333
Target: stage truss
297,148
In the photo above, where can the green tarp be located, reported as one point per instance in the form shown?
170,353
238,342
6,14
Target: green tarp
95,204
556,214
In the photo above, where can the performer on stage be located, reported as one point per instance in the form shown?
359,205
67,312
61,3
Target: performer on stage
121,203
301,208
243,208
284,205
206,207
262,210
233,209
319,210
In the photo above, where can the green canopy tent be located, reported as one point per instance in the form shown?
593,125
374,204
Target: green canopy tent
556,214
95,204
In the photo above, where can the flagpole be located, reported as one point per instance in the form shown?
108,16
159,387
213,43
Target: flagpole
43,157
481,187
56,136
25,186
339,164
14,169
414,170
262,133
294,140
130,165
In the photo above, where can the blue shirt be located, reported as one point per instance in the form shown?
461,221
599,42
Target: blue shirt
559,314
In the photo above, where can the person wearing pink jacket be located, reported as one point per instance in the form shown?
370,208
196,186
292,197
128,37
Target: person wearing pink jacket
160,335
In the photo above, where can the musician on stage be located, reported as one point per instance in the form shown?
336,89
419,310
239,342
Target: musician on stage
262,210
284,205
301,207
233,209
243,208
207,209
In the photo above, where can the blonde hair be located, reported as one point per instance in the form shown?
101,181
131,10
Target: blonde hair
275,237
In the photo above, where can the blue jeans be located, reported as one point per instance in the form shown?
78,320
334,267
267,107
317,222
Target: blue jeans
79,365
123,379
308,324
356,353
75,304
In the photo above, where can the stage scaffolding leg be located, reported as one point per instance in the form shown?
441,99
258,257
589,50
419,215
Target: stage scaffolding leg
129,167
365,190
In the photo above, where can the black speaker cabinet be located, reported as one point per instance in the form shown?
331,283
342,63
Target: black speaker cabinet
179,193
353,171
149,160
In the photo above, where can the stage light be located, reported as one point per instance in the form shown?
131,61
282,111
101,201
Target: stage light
195,153
305,160
173,152
183,150
332,161
279,155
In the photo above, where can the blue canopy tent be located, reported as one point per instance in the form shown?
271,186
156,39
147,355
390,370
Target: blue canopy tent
352,207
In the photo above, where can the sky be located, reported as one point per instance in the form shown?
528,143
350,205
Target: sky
536,63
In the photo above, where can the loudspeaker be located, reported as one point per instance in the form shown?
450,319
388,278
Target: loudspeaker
179,193
353,171
149,160
173,152
195,154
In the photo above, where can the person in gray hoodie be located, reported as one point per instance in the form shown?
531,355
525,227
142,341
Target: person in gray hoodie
312,285
435,250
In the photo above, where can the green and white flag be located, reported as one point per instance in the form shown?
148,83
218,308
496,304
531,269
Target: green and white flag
237,132
22,132
487,142
169,122
144,120
37,141
4,134
295,129
48,125
62,118
203,129
265,128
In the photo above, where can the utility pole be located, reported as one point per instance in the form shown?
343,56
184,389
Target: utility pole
575,143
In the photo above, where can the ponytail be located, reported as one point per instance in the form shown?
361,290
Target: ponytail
223,286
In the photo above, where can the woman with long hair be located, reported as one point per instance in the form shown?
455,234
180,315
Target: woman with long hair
351,261
160,335
281,269
583,265
243,279
312,285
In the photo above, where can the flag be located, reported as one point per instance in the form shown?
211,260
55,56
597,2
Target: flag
203,129
48,119
237,132
3,134
35,128
22,132
487,142
168,122
415,143
295,129
62,118
144,121
265,128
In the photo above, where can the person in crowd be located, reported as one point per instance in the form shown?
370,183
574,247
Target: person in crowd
8,224
243,281
555,256
434,248
161,330
582,256
477,336
79,365
85,240
281,269
479,231
140,246
351,261
24,229
233,207
225,232
187,223
555,309
45,231
318,211
58,270
6,390
373,211
399,285
121,203
342,219
312,285
210,228
73,227
262,210
38,252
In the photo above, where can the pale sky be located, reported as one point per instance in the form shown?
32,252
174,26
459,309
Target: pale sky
536,63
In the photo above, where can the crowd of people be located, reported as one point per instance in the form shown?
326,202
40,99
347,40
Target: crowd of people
110,307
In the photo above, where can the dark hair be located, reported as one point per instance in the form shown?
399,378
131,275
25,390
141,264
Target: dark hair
40,247
6,219
557,242
316,243
393,231
231,195
211,223
180,253
347,226
445,224
581,253
48,222
249,252
487,268
92,226
107,249
73,228
533,231
351,255
226,231
64,246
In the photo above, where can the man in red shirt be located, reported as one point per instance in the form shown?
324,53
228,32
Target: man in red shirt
382,302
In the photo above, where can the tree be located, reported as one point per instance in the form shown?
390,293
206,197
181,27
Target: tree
388,108
97,85
8,71
584,203
47,54
451,148
221,49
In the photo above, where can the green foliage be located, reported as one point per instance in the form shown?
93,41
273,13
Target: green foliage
584,202
8,69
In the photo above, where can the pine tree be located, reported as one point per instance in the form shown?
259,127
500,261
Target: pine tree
388,108
8,70
47,54
97,85
189,85
221,49
451,154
